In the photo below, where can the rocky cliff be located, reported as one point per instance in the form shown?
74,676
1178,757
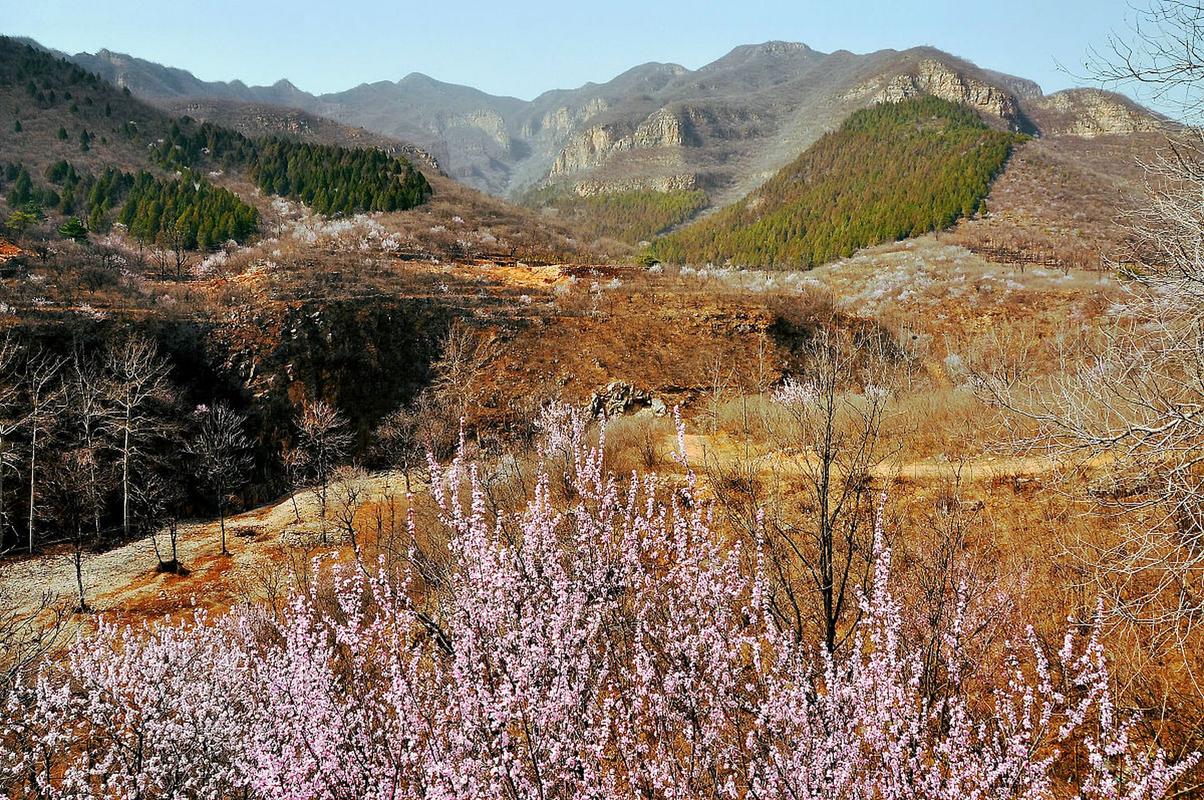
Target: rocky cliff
1093,112
940,79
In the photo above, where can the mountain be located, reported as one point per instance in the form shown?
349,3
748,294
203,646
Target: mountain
49,108
724,128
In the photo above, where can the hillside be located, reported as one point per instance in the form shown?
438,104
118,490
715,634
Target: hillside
261,119
892,171
81,148
41,95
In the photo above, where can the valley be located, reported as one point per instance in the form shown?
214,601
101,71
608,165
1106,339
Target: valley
802,425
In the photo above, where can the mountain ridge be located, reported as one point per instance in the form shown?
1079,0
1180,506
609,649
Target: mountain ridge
723,128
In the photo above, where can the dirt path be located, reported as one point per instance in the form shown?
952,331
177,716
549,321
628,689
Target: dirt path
125,580
126,577
705,450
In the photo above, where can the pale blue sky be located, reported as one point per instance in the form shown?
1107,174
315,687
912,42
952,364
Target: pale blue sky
523,48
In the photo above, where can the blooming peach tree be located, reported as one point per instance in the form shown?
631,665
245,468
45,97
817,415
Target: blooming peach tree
607,642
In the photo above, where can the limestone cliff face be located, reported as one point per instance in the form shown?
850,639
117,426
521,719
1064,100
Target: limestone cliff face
931,77
649,183
564,120
593,146
1093,112
662,128
489,122
586,150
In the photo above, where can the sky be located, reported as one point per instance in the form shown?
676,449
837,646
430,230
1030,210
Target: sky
523,48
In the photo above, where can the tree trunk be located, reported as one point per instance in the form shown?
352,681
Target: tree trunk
221,516
125,477
33,463
79,568
3,508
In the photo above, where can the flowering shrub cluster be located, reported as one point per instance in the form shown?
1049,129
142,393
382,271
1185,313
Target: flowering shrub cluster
605,643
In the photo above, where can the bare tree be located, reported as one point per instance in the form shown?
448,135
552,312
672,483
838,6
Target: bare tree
11,420
349,486
397,440
69,487
156,500
1162,55
43,399
466,354
86,398
717,378
161,258
1123,413
221,450
834,418
138,380
324,438
173,243
26,635
293,461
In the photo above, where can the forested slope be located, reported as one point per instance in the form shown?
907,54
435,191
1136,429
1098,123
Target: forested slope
892,171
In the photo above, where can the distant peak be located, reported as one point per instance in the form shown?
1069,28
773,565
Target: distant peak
770,50
780,48
285,83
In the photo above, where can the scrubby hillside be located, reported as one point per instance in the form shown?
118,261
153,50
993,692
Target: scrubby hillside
892,171
52,110
261,119
632,217
78,148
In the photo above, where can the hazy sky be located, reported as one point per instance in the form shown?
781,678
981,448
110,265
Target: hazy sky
523,48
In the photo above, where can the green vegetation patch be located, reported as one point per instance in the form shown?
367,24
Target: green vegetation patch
631,217
890,172
329,179
188,211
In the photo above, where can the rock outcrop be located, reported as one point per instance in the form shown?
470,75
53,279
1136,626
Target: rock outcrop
591,148
618,398
936,78
682,182
1094,112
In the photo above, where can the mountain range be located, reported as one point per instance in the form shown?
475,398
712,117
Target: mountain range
724,128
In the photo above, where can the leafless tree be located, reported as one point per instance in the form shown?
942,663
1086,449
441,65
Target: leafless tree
173,245
1123,412
397,439
138,380
466,354
86,401
161,258
26,636
156,500
950,570
293,461
349,487
1162,54
833,429
69,493
221,450
324,438
43,399
11,420
718,379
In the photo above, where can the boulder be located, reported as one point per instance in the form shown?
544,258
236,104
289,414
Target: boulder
618,398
